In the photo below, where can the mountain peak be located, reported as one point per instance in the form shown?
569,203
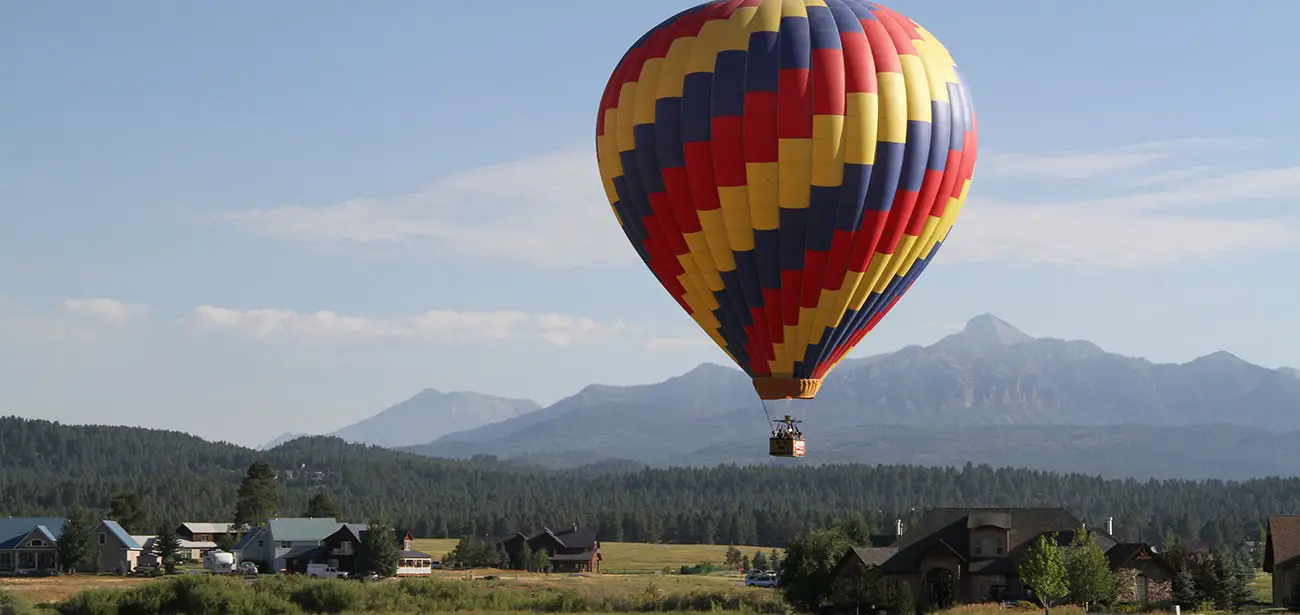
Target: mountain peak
989,329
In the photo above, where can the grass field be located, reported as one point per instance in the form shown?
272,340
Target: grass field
52,589
1262,585
626,556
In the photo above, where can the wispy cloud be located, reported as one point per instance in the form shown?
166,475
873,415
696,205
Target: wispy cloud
433,326
77,321
109,311
1086,165
550,211
547,211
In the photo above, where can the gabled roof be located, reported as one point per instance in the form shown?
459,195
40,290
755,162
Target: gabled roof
1282,549
949,528
873,556
298,529
14,529
149,543
415,554
120,534
194,527
1124,552
248,537
569,538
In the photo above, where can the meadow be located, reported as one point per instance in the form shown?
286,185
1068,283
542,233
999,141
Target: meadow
626,557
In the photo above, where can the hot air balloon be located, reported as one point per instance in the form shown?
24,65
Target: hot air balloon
786,169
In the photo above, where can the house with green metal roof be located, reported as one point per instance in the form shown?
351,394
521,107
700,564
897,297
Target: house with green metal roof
267,545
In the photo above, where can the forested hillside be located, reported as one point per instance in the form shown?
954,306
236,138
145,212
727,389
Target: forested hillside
46,467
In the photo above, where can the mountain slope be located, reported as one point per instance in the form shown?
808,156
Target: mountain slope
431,414
988,374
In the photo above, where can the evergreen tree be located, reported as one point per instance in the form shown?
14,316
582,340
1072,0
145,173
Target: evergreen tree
379,552
321,506
74,543
128,510
1043,570
259,495
1185,593
168,545
1088,574
759,561
1233,590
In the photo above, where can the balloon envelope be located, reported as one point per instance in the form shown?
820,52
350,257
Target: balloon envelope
786,169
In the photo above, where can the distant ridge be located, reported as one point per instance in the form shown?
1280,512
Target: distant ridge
1075,399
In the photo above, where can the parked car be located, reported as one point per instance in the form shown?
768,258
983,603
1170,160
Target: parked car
247,568
760,578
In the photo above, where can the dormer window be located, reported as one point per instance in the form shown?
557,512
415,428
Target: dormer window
989,545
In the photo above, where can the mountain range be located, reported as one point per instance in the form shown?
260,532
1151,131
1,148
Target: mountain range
428,415
988,394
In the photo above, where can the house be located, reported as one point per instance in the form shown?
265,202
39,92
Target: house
268,544
340,550
971,555
29,544
202,532
411,563
569,550
1281,558
113,550
188,549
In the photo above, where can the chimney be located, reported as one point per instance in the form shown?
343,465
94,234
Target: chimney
898,527
1110,526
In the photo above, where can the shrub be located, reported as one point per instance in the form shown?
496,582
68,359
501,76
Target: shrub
11,604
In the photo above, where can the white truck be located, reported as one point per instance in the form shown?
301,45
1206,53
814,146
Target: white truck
325,571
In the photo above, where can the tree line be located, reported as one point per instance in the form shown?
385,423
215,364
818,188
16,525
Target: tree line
142,477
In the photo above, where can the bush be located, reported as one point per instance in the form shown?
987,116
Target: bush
11,604
295,595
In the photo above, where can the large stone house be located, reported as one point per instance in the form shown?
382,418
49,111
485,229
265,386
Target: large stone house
956,555
1282,558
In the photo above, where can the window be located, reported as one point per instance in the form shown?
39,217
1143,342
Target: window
102,538
1140,588
36,542
261,543
284,544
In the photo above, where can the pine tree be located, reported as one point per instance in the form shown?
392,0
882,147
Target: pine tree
379,553
168,545
128,510
1184,589
74,542
1043,570
759,561
259,495
321,506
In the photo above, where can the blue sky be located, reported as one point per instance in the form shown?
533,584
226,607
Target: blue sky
249,218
